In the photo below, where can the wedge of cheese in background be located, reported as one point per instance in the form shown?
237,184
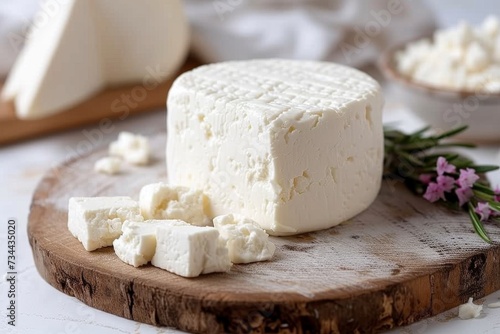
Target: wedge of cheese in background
296,146
87,45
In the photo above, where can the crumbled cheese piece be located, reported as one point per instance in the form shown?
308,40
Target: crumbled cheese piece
494,305
469,310
245,240
190,251
132,148
108,165
162,201
137,244
476,58
97,221
491,26
461,58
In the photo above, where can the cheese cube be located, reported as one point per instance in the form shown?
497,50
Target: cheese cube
296,146
97,221
190,251
108,165
162,201
245,240
137,244
132,148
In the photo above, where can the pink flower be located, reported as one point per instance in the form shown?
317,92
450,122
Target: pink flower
483,210
444,167
434,192
497,194
425,178
446,182
464,195
467,178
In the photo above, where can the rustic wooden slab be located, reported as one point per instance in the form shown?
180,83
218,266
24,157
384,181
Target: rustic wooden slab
108,104
400,261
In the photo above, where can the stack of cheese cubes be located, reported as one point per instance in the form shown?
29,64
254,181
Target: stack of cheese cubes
169,227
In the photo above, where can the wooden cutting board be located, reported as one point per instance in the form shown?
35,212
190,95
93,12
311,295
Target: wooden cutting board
112,103
402,260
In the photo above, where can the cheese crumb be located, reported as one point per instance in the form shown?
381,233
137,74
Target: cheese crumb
245,240
132,148
162,201
494,305
108,165
469,310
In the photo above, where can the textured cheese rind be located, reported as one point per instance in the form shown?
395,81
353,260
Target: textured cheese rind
97,221
296,146
137,244
190,251
245,240
163,201
87,45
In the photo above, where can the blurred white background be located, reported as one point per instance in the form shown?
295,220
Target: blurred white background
448,12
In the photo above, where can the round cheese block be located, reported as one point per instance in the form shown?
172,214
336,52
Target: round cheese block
296,146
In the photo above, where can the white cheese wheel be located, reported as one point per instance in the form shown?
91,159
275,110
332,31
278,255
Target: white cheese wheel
296,146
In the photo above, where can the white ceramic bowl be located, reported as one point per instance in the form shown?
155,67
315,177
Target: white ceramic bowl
444,109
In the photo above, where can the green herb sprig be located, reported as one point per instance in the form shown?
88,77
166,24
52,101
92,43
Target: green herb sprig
426,167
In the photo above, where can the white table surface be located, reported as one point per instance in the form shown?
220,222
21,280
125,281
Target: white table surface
43,309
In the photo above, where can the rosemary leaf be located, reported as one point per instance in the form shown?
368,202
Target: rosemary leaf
483,196
411,158
484,189
484,168
478,226
494,205
420,145
466,145
452,132
418,134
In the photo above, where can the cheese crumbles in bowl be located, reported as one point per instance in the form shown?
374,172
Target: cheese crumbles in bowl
452,79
